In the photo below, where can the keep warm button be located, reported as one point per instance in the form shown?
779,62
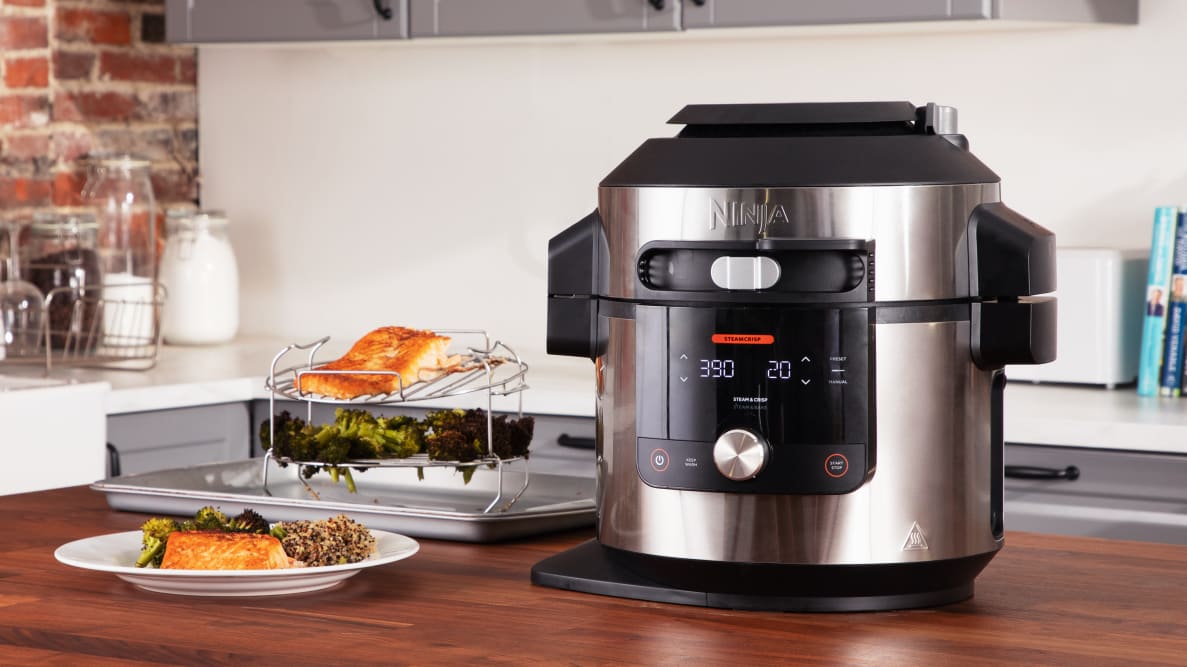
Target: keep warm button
836,465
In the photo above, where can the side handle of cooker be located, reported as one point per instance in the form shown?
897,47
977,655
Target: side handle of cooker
1011,263
578,273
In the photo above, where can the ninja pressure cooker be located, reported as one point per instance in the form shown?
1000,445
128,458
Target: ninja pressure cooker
798,316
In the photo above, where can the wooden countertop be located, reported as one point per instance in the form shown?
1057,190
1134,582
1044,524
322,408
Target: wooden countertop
1043,600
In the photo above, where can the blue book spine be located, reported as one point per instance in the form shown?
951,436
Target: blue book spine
1157,287
1176,319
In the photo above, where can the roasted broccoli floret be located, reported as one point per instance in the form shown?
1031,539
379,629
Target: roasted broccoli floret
403,436
450,437
374,437
511,436
151,552
288,437
514,437
331,446
155,534
444,420
159,527
207,518
247,521
453,445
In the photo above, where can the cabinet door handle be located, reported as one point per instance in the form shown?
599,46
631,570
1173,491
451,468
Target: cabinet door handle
576,442
384,10
1070,473
658,5
699,3
113,461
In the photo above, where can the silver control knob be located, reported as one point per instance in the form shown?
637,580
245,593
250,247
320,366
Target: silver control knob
740,454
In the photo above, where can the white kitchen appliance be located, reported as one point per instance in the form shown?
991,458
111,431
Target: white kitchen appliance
1100,293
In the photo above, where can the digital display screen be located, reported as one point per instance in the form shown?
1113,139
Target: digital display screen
796,375
777,369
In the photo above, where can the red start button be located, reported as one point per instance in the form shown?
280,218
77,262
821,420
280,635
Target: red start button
836,465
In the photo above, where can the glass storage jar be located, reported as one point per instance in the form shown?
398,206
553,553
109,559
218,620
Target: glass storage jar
21,305
62,260
201,279
120,190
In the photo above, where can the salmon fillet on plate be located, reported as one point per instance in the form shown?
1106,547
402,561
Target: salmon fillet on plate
208,550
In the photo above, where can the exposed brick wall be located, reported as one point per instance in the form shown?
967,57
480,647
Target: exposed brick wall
81,78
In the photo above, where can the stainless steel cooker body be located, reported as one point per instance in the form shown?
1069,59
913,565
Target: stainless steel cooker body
928,496
798,316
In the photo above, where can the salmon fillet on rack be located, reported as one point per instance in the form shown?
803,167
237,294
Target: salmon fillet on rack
416,354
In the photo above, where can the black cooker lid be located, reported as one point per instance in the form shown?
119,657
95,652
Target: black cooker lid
802,145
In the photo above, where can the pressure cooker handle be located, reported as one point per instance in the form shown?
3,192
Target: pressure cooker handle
1013,331
1011,259
578,273
1009,255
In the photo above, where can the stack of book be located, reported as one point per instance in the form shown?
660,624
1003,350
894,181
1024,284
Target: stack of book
1164,331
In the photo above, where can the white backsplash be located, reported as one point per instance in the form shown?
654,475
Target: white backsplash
418,184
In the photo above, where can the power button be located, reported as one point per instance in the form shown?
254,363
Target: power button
659,459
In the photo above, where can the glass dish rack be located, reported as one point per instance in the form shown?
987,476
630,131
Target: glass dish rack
486,366
115,327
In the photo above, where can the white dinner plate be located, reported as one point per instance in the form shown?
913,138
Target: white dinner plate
117,553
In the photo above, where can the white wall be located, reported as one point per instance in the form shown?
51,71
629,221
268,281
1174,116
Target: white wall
419,183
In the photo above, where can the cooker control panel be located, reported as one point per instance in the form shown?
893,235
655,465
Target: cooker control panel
755,400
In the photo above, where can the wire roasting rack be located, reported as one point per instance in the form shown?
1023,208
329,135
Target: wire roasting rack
485,365
113,327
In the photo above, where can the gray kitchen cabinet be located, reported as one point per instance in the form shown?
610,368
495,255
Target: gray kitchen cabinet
752,13
444,18
162,439
284,20
211,21
1115,494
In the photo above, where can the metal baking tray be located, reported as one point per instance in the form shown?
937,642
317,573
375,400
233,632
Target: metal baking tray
440,506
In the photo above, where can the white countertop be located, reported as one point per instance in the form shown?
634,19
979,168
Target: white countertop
1094,417
1035,414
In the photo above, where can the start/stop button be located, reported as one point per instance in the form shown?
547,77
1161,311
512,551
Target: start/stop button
748,273
836,465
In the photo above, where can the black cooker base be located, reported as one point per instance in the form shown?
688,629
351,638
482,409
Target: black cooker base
591,567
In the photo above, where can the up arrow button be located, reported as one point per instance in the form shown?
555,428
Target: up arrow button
684,356
805,359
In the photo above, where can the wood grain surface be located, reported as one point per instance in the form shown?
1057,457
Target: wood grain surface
1045,600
